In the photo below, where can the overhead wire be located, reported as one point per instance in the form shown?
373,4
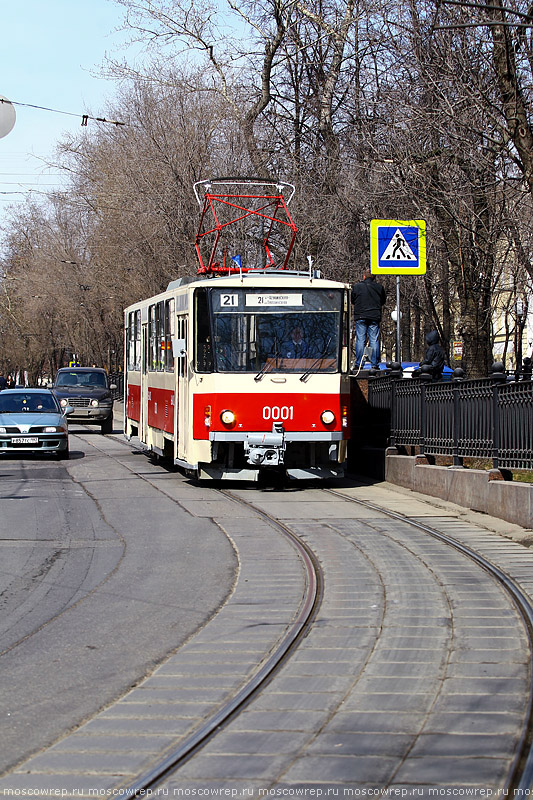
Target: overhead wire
84,120
84,117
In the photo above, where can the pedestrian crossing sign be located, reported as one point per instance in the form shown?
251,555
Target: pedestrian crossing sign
398,247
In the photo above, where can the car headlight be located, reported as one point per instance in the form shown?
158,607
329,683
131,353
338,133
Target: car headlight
55,429
327,417
227,417
95,403
63,402
2,429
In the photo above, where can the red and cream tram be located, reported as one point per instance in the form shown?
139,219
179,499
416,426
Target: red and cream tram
239,369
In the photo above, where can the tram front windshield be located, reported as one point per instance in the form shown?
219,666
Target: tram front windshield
260,330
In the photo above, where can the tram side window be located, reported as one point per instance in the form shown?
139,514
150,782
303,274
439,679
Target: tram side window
160,343
168,335
134,340
138,338
345,333
151,337
204,348
182,334
346,321
153,357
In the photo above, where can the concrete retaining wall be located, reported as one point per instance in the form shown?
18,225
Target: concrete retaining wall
470,488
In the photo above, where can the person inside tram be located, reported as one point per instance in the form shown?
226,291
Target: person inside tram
285,343
295,346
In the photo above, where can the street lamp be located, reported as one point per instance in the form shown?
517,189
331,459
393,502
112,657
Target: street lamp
519,315
396,317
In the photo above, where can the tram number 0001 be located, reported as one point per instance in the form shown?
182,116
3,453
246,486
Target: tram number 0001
278,412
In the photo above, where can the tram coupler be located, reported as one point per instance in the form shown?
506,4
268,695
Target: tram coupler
265,449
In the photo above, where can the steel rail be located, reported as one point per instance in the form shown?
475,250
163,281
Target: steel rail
299,627
520,776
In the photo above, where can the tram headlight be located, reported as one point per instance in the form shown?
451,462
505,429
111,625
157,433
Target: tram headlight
227,417
327,417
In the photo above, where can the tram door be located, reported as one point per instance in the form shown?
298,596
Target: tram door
181,399
143,424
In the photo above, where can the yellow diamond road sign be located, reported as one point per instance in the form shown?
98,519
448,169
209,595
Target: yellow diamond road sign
398,247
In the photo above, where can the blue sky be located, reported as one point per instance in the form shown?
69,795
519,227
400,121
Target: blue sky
51,50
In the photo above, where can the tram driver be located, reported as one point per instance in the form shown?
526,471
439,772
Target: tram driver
295,346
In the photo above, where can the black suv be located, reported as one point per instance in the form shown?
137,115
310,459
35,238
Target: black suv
87,390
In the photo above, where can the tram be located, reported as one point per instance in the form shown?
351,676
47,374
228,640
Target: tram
244,367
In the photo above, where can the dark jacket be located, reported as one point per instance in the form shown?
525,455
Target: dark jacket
435,355
368,298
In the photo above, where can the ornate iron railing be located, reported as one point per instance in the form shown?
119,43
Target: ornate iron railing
486,418
118,379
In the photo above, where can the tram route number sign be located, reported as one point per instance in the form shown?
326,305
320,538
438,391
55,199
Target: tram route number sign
398,247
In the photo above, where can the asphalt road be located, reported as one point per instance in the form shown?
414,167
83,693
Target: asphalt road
413,677
99,582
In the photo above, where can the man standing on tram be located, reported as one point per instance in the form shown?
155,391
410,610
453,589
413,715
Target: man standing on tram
368,298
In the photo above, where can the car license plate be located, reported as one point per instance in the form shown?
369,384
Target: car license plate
24,440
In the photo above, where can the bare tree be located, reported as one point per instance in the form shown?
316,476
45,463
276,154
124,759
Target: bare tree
401,110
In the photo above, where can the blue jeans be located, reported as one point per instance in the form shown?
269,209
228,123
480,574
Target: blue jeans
364,328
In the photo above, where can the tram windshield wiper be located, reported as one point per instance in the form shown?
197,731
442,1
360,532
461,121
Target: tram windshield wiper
268,365
315,362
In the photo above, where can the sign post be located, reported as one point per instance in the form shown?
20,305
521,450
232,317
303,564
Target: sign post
398,247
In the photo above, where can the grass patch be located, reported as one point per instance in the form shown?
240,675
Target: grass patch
522,475
519,475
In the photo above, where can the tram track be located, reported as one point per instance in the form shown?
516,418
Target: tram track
304,619
161,770
520,778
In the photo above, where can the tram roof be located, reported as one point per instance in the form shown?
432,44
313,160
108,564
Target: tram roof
263,276
268,277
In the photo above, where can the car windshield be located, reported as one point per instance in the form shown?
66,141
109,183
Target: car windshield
83,379
27,402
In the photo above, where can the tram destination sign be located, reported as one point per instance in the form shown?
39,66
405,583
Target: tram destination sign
274,300
398,247
231,299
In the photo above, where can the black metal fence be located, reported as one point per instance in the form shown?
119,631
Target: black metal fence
117,378
490,418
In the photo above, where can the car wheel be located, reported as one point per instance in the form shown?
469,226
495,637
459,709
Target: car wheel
63,454
107,425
